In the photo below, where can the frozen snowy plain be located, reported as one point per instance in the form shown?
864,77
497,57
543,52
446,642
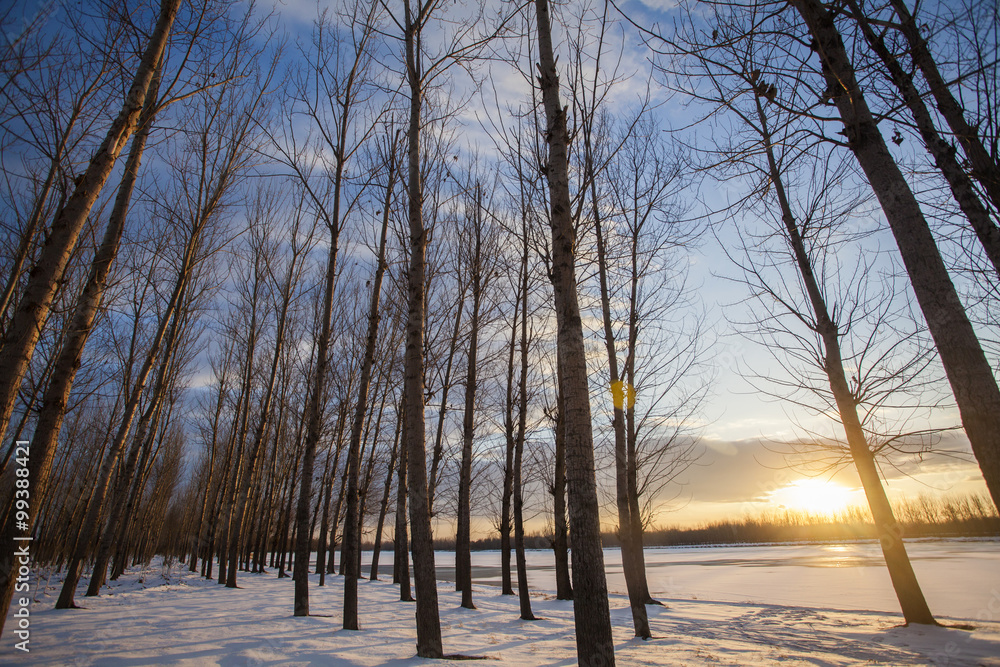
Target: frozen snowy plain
823,604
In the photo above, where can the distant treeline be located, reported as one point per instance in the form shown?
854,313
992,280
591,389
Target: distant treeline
969,516
966,516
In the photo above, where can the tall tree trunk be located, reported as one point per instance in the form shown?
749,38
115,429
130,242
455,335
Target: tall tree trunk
400,547
352,541
424,573
592,617
315,412
634,526
508,471
968,371
57,392
623,395
303,538
43,281
904,581
523,594
519,437
463,553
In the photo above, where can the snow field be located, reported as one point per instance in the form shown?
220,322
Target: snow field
168,616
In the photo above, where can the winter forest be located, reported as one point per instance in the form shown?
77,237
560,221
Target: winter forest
302,299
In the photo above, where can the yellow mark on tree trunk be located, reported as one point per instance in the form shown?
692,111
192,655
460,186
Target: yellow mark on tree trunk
623,395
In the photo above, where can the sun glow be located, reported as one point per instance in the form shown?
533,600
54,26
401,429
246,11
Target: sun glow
814,496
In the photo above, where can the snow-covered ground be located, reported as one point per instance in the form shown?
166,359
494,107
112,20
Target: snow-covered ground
794,604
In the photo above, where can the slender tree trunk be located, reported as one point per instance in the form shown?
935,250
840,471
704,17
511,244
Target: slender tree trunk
968,371
523,594
315,412
560,542
595,645
519,438
303,539
400,547
508,471
622,396
904,581
384,506
424,573
352,542
463,553
634,526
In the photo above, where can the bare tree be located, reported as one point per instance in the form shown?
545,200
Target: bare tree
590,602
517,433
870,388
64,372
424,63
336,77
22,335
969,373
286,291
352,538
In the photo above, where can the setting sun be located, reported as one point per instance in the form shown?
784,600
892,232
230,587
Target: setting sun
815,496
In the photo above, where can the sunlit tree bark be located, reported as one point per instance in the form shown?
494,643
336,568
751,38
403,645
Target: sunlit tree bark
590,604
